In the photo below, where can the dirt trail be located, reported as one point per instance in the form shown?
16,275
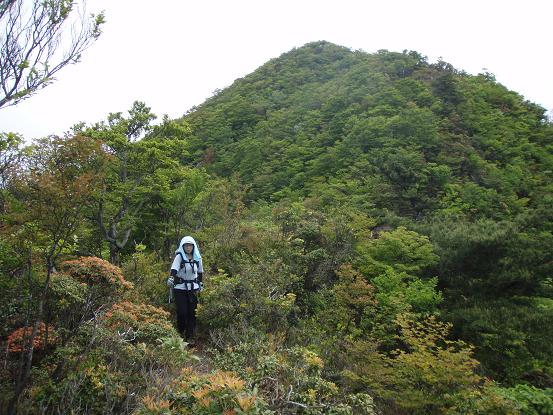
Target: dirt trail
203,366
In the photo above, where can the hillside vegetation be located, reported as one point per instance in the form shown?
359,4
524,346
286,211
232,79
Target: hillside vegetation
376,232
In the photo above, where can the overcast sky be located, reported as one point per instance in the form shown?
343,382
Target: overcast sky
172,54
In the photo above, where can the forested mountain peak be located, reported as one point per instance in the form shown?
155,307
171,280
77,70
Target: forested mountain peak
387,129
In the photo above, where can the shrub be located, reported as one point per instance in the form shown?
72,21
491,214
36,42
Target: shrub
105,281
210,394
259,296
425,376
68,302
148,276
96,272
403,250
138,322
67,292
531,400
353,303
485,400
18,338
101,371
290,379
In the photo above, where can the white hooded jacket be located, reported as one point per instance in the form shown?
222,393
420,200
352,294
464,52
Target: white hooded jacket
190,269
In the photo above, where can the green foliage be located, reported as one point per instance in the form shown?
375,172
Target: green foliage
288,378
215,393
57,179
10,155
96,272
371,225
530,400
15,286
105,282
401,293
493,277
355,301
69,301
398,293
142,170
67,292
148,276
402,250
138,322
103,369
262,299
512,337
320,241
426,376
488,399
82,288
391,263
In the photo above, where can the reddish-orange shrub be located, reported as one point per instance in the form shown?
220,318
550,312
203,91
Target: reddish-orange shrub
16,339
96,271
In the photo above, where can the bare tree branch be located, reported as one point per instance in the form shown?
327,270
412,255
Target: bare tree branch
5,6
37,39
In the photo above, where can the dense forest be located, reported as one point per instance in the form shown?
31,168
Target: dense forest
376,233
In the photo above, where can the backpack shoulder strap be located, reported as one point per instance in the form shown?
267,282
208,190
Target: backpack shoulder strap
182,260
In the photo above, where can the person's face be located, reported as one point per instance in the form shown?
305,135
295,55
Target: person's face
188,248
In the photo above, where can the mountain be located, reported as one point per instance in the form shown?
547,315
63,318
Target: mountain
384,130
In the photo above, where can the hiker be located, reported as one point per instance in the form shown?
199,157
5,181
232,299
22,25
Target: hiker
186,281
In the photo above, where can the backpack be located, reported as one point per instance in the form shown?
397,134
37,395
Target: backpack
191,262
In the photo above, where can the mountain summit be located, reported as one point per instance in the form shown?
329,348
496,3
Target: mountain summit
385,130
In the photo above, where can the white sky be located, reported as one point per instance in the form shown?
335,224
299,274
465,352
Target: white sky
173,54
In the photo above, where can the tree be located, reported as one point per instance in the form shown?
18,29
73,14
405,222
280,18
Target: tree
141,172
36,42
401,249
122,196
9,158
50,191
425,376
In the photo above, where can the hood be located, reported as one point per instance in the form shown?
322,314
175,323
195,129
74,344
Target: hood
196,256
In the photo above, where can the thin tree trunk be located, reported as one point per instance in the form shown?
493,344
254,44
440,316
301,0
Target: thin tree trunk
25,373
114,256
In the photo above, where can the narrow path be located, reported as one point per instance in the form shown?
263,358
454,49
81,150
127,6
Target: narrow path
203,366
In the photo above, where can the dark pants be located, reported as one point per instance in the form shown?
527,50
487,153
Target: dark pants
186,302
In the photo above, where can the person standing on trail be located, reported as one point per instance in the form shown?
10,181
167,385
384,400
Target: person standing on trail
185,282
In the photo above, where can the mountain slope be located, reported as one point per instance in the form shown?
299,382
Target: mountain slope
383,130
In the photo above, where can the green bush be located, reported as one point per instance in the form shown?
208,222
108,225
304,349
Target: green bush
290,379
103,369
485,400
105,281
424,376
259,295
148,275
211,394
69,301
138,322
531,400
